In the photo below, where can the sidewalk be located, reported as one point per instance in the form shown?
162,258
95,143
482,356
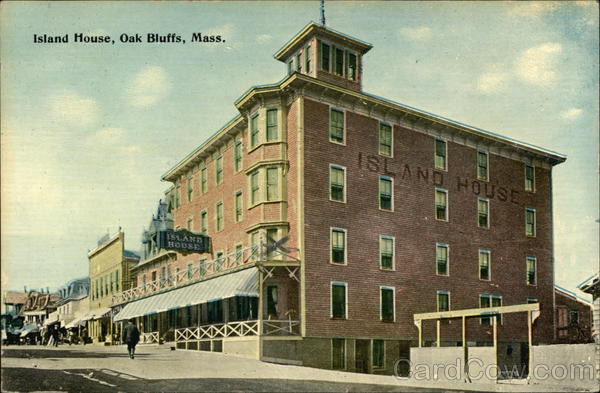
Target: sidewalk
153,362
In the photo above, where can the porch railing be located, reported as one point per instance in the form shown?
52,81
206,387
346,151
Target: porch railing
149,338
203,269
238,329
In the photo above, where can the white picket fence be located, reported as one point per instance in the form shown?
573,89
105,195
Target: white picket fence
237,329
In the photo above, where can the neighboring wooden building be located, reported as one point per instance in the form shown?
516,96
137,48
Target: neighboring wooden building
573,317
110,267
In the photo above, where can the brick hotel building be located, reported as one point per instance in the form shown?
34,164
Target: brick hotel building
389,211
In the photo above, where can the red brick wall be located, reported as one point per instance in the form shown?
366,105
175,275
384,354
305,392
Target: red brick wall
416,232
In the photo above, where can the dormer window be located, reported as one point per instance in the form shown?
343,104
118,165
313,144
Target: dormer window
339,62
325,56
351,66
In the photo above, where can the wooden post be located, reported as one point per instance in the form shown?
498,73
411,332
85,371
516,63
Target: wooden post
530,343
465,350
438,332
260,312
495,331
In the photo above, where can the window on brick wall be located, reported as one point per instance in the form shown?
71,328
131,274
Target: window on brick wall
307,59
219,170
385,140
239,253
482,165
189,270
190,189
237,155
441,258
272,131
219,216
378,355
531,270
338,300
336,126
338,246
386,303
254,188
487,301
443,301
203,222
483,213
272,184
484,265
204,180
386,252
441,204
440,154
177,196
386,193
271,235
238,206
529,221
529,178
338,353
298,62
254,137
337,183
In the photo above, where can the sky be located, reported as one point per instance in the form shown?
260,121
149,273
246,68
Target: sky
87,130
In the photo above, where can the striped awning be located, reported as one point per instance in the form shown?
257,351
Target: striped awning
241,283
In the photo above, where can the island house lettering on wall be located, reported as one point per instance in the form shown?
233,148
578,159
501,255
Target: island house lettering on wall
406,172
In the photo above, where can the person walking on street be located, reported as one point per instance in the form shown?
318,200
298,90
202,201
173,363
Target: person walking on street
130,336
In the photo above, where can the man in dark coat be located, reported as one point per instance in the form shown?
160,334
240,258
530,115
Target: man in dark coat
130,336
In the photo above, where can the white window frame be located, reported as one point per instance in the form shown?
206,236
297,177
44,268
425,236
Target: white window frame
382,287
220,202
345,285
235,196
445,168
489,254
487,201
344,130
487,165
219,158
391,139
258,142
331,230
525,165
343,168
447,209
206,222
437,299
530,209
535,270
391,179
238,142
393,239
447,247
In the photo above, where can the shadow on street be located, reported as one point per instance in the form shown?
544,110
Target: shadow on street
91,380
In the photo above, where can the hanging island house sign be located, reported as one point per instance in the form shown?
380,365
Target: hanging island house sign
183,241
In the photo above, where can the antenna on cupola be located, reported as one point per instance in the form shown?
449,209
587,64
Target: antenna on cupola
323,12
